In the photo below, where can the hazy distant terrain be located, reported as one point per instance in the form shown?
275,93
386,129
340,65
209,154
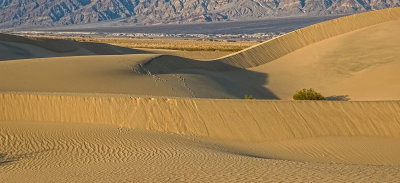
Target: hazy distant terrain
48,13
284,24
255,30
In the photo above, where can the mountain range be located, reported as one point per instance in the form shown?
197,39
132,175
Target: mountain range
50,13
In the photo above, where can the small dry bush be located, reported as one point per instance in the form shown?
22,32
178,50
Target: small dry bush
249,97
308,94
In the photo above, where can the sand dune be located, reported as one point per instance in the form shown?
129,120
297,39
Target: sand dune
362,64
107,138
115,117
102,74
354,57
283,45
218,119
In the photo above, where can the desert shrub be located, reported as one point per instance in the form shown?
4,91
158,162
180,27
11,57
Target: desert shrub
249,97
307,94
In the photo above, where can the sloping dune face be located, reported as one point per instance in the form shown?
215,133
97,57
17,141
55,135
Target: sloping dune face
305,131
350,58
123,138
278,47
361,65
16,47
219,119
117,74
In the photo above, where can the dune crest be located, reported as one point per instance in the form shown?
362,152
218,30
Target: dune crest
241,120
309,131
280,46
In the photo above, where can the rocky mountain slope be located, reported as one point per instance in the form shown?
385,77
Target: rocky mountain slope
34,13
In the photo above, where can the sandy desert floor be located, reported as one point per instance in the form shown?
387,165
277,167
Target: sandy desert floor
48,152
92,112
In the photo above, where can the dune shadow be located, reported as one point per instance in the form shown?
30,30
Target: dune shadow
232,150
234,80
108,49
6,159
249,155
17,47
338,98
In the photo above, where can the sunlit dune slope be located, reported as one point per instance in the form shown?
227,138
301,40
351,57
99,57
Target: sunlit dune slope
360,65
283,45
273,49
218,119
342,132
354,57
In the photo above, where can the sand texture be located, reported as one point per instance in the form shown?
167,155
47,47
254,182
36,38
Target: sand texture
92,112
51,152
361,65
80,138
217,119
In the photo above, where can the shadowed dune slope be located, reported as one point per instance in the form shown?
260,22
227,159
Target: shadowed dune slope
121,74
16,47
48,44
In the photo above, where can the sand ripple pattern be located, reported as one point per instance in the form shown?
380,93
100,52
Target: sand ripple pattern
49,152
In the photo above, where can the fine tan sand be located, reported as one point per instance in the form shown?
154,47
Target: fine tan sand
92,112
87,138
361,64
51,152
